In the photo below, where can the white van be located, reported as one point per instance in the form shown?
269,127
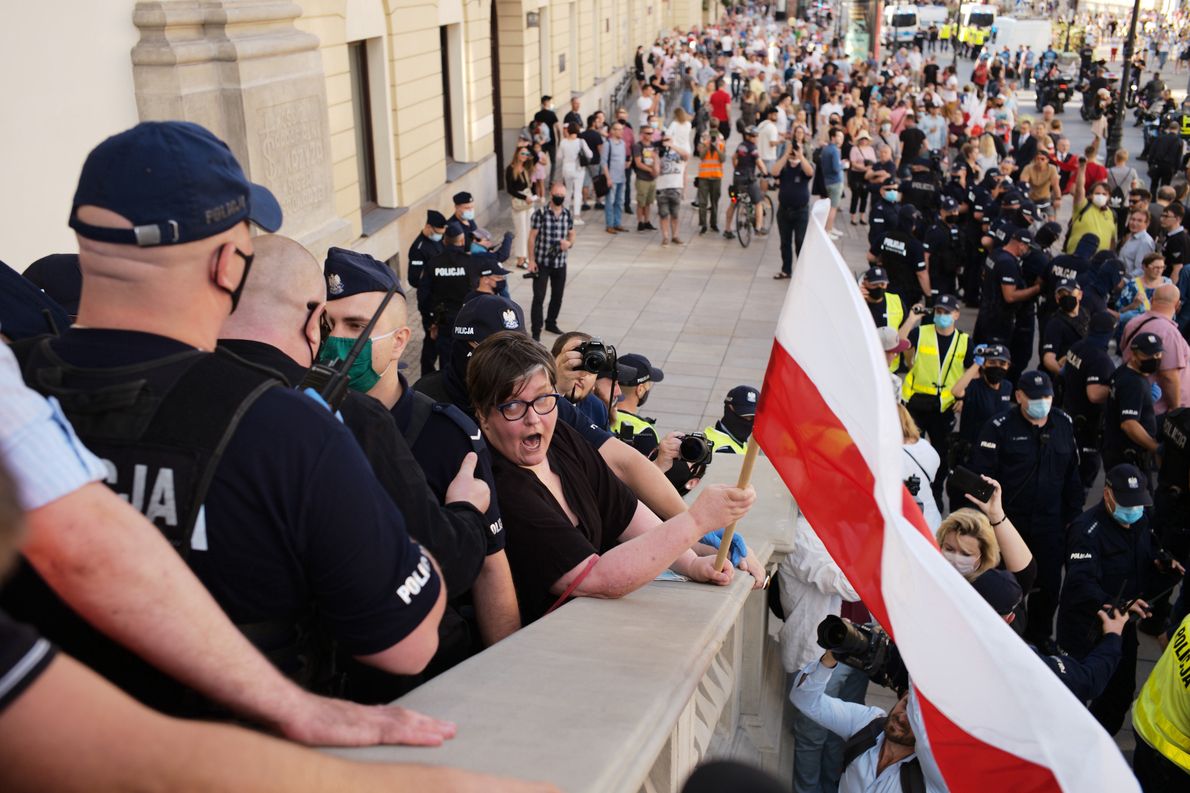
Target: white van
900,23
975,15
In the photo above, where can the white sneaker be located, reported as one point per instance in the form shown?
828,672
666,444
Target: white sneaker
834,235
580,222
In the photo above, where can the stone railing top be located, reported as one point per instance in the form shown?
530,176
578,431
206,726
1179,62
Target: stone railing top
586,697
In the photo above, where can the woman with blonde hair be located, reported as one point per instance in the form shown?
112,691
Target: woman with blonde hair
988,156
974,541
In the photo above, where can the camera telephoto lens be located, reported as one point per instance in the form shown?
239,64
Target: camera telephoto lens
695,448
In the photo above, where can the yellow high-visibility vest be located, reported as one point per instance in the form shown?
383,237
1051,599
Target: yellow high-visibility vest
1161,715
931,376
723,442
896,314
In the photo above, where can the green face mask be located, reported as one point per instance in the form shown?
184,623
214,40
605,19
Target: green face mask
361,377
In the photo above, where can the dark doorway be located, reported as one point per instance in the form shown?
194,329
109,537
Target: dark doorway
447,125
497,114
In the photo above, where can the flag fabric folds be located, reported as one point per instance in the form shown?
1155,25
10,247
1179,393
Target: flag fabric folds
995,716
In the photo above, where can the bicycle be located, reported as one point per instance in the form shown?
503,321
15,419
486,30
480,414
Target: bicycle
745,215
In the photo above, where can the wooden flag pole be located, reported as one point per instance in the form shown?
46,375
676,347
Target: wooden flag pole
745,478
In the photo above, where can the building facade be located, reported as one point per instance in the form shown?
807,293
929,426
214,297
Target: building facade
358,114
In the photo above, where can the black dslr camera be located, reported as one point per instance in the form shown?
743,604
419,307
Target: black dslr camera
597,356
864,648
696,449
913,485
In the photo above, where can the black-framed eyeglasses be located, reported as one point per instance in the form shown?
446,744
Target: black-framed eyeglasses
517,408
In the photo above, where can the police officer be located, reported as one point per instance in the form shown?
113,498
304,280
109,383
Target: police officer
488,277
938,356
1161,719
627,422
730,434
1030,450
944,248
983,392
464,216
1129,422
1110,560
260,488
923,188
425,249
1087,383
1069,324
444,285
1003,289
887,308
904,259
1064,266
440,436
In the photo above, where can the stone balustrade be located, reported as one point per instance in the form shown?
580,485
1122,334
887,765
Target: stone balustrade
621,696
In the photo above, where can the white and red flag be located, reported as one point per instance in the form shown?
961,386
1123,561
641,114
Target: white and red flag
997,719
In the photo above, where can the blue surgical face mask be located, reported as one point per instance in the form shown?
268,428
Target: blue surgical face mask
943,321
890,195
1038,408
477,248
1126,516
436,237
468,214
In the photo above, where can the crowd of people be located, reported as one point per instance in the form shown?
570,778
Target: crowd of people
229,502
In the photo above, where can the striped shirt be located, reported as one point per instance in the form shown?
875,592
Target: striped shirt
37,444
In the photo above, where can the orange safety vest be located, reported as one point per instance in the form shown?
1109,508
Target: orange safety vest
710,166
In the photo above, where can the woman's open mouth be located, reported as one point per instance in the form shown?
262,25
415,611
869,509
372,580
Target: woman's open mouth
532,442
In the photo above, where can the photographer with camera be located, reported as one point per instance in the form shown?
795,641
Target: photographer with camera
1111,558
880,750
580,360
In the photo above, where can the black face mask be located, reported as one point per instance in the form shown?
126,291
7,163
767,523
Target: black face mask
640,403
324,328
876,293
1149,365
1067,303
558,200
994,374
739,427
239,290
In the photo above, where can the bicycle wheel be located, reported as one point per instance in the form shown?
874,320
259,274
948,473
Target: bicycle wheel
743,223
766,222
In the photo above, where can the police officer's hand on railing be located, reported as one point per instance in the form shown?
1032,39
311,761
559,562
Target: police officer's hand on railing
668,450
467,487
752,566
721,505
1112,621
321,721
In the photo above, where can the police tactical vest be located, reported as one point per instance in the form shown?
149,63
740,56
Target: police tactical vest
1161,715
723,442
159,427
895,311
629,427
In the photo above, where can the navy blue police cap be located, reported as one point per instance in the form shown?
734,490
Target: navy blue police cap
1129,487
59,276
1036,384
462,197
996,352
876,275
946,303
949,204
175,181
743,399
435,219
1000,589
645,371
1067,285
485,315
454,228
1147,344
486,264
350,273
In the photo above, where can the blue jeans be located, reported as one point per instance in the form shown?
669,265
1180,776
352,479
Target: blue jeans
613,205
818,753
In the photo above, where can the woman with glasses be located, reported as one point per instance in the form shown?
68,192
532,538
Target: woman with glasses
573,528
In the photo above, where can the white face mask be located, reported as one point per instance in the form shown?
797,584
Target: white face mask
966,565
1099,199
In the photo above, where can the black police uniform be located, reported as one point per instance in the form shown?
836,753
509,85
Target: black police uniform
1061,333
882,218
1087,677
1062,266
903,257
1131,398
923,189
293,534
1171,504
1105,560
1087,363
423,251
971,229
444,284
997,318
1038,470
945,245
981,403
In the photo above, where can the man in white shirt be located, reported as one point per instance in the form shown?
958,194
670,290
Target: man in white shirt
767,138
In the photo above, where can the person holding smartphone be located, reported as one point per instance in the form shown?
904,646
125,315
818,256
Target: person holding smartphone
794,173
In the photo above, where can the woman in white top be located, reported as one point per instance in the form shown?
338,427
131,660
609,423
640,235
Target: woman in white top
678,131
573,171
920,460
988,156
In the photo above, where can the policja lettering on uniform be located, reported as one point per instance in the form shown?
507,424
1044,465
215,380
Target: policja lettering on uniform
163,503
415,581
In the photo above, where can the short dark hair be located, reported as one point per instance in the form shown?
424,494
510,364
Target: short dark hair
561,342
500,363
1175,209
1155,256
